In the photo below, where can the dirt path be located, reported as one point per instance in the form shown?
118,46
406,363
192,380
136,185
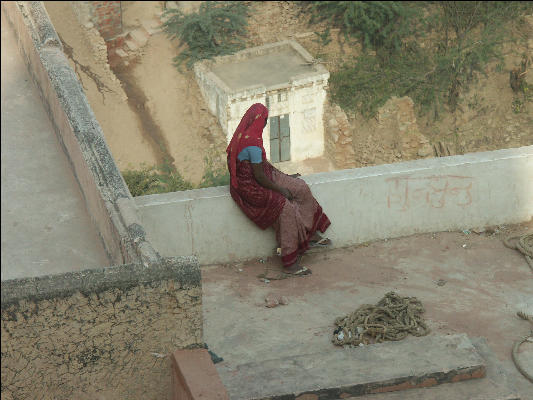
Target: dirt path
88,55
176,106
150,130
149,111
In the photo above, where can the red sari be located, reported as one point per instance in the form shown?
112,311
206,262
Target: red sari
296,221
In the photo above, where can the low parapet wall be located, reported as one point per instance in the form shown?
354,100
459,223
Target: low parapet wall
363,204
100,332
105,193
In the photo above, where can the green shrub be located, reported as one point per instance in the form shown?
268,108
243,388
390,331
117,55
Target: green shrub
142,181
152,180
377,24
214,176
469,35
218,28
164,179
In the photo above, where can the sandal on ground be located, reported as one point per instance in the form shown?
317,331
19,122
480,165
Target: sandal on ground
301,271
324,242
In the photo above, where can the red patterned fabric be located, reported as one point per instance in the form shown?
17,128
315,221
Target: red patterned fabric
248,133
296,221
299,219
263,206
260,204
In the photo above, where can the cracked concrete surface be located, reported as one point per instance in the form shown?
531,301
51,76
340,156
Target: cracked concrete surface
98,345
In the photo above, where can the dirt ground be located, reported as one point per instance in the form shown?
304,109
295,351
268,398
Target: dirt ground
151,101
151,112
468,283
105,94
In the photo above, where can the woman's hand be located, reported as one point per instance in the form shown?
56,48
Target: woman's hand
286,193
261,178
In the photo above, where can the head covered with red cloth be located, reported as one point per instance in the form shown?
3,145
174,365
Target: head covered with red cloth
248,133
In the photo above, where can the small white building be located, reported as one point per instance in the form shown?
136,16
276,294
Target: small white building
283,77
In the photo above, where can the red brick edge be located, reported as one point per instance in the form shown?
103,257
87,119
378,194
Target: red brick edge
474,373
194,376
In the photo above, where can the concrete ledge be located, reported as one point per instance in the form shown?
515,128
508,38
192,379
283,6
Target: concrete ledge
47,34
363,204
412,363
194,376
183,270
494,386
79,133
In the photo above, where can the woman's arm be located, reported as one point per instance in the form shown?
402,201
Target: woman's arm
261,178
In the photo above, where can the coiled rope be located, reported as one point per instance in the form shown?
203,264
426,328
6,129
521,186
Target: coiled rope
392,318
519,342
524,245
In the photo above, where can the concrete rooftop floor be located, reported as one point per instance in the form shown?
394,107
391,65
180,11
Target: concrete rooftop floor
268,69
45,226
485,284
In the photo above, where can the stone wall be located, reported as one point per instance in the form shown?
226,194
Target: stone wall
103,331
338,137
393,135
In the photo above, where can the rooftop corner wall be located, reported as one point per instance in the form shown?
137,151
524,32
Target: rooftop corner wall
363,204
99,331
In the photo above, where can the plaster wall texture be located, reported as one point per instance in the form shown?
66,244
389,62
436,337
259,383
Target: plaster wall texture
97,333
277,76
364,204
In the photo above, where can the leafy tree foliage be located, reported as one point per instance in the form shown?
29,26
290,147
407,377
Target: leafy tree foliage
463,36
218,28
377,24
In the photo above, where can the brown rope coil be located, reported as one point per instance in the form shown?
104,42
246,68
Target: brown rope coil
392,318
514,352
524,245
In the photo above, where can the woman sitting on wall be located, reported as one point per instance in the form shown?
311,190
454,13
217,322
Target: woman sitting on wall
271,198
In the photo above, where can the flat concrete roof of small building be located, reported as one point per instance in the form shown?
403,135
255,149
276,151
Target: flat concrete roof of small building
269,70
270,65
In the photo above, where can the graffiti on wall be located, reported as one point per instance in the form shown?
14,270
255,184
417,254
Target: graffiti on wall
433,191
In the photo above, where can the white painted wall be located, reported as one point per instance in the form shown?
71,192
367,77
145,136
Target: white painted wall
363,204
304,98
305,106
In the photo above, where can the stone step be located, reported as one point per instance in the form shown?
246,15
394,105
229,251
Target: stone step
343,373
121,53
494,386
